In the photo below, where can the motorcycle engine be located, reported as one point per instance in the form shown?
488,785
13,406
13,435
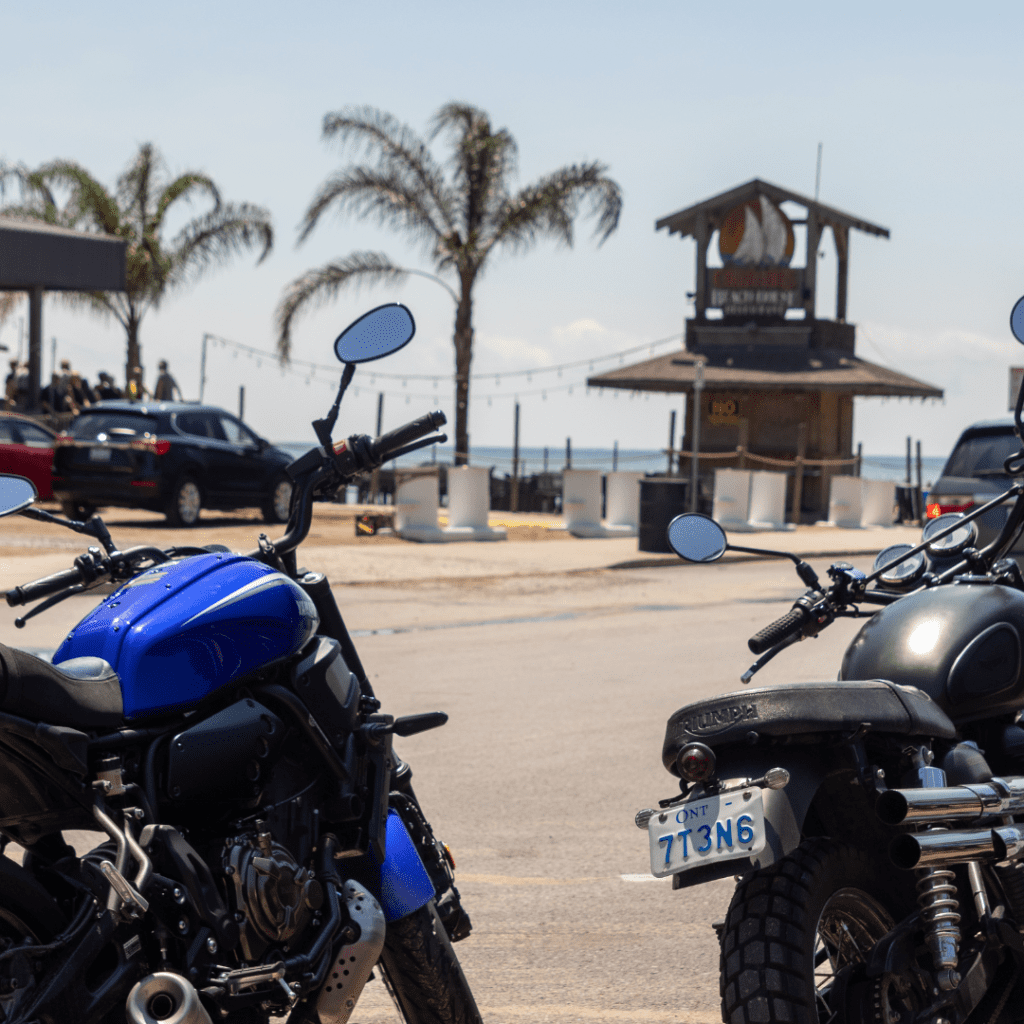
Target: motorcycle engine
275,897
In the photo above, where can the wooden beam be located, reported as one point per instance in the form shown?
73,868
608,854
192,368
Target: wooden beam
701,234
842,237
811,272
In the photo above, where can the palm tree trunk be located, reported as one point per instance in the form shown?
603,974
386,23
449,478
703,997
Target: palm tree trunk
463,358
134,352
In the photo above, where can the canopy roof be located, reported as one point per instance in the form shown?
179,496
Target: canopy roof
34,254
685,222
775,370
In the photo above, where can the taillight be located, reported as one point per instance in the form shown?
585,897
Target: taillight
163,447
949,503
696,762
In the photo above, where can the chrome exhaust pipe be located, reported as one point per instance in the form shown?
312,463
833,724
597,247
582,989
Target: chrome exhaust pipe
940,848
165,998
999,796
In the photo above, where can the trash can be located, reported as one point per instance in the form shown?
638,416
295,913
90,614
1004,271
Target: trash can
661,500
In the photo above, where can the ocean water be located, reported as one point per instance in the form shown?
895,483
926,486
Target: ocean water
636,460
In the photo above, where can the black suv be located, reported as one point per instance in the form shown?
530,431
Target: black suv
974,475
171,457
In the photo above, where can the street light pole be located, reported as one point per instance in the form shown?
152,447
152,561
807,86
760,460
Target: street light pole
698,389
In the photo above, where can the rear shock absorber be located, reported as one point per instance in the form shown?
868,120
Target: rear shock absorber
940,911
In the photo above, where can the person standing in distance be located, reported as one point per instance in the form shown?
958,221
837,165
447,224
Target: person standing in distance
166,385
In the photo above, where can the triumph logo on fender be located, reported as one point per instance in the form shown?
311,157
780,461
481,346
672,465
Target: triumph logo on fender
717,719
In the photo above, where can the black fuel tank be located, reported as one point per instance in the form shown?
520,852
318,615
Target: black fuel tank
959,643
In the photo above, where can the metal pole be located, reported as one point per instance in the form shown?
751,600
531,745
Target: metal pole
698,390
671,440
35,345
568,453
53,355
615,457
860,458
241,401
908,462
375,475
202,369
514,496
919,494
545,459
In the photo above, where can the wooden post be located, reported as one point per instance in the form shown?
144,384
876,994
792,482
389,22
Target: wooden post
919,491
545,459
700,234
35,345
671,439
514,497
860,458
908,461
842,237
811,271
375,475
568,453
744,441
615,456
698,391
798,473
241,401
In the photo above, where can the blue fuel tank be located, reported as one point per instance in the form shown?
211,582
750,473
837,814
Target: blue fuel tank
183,629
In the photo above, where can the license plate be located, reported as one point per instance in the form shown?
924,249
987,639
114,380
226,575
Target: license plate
713,828
99,454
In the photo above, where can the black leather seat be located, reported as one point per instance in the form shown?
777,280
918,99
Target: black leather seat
795,708
84,693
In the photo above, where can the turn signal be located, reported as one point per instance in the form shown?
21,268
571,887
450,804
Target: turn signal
696,762
163,447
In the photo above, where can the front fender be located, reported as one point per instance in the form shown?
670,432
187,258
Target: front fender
785,810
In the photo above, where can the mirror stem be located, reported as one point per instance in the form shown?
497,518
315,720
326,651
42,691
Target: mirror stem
325,427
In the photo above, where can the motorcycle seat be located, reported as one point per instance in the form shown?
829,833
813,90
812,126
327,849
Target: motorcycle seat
802,708
84,693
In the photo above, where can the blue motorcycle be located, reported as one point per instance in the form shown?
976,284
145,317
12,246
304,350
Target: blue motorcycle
266,850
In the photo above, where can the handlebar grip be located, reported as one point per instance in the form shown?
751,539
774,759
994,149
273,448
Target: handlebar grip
43,587
781,629
381,446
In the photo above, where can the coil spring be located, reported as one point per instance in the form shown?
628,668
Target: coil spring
940,909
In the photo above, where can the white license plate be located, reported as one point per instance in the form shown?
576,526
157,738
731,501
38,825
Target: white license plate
99,454
713,828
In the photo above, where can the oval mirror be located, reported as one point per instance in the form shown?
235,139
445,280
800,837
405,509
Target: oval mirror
16,493
906,573
1017,320
376,334
697,538
954,543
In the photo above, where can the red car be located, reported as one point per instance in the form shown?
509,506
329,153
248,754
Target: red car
26,449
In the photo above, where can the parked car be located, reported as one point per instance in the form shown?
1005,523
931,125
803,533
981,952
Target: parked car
974,475
26,448
172,457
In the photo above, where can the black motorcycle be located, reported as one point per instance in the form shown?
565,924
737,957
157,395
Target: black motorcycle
875,824
265,850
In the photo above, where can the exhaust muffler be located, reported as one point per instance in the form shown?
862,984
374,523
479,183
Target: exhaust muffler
944,849
943,803
165,998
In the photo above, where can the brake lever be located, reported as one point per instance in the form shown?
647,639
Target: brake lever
49,602
767,656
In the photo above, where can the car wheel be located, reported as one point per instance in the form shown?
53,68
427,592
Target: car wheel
77,510
279,502
185,504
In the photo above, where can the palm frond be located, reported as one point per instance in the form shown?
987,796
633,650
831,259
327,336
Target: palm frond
8,303
183,187
549,208
90,204
318,287
138,182
397,149
211,240
102,305
390,197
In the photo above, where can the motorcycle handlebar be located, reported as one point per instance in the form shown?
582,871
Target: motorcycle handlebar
43,587
781,629
382,448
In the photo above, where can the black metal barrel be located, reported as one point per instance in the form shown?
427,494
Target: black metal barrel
661,500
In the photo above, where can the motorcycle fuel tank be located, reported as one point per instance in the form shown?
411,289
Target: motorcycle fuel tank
960,644
183,629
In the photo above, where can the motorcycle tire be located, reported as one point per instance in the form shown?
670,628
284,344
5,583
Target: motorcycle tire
423,974
792,926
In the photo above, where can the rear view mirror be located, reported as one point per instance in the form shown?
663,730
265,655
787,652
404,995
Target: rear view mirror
697,538
1017,320
376,334
16,493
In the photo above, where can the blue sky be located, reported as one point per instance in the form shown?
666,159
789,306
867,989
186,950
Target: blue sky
917,105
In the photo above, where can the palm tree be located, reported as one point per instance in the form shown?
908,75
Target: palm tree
459,221
136,211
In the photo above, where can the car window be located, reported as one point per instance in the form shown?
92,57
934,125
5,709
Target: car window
6,434
200,424
236,432
982,455
33,436
90,425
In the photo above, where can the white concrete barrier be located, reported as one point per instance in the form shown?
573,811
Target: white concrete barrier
768,502
581,502
845,502
469,502
622,504
416,494
878,503
730,507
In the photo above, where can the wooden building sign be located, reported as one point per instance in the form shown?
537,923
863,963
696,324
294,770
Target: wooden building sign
755,291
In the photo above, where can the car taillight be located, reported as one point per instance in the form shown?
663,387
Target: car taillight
63,441
949,503
163,447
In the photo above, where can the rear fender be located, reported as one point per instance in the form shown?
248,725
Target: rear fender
785,810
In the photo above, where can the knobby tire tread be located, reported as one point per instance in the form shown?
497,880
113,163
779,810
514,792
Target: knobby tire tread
766,946
423,972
